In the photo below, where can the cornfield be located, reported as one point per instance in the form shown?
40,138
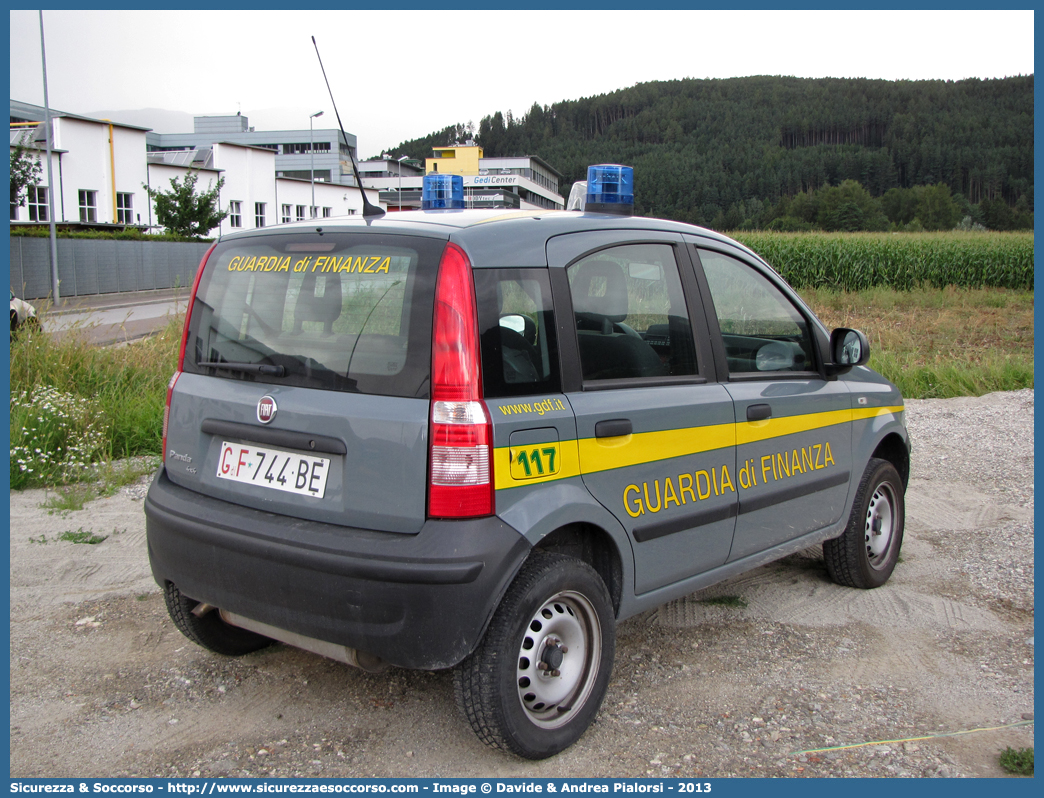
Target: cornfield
857,261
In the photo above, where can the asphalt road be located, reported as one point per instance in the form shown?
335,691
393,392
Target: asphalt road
114,318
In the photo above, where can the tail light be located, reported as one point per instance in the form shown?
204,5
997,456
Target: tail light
166,411
460,477
181,352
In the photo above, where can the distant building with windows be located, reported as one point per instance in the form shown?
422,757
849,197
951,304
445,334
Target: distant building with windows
524,182
101,168
294,149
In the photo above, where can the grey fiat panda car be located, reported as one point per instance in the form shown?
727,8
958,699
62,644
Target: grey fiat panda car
478,439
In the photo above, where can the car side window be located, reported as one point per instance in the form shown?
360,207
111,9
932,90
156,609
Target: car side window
762,330
517,331
631,318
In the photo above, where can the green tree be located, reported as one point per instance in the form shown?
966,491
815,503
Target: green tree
937,210
900,204
850,207
183,212
1023,216
804,207
996,214
25,170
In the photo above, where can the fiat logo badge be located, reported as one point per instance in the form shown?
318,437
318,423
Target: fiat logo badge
266,409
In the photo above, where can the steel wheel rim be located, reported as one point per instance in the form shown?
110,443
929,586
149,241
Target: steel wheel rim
880,525
568,619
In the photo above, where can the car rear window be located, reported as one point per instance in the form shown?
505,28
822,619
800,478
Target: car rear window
334,311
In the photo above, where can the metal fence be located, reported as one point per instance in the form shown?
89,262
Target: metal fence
96,266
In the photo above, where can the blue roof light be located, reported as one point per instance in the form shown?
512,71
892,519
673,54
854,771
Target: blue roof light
610,189
442,191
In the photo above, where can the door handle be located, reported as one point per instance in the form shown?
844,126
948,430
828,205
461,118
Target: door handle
613,428
759,412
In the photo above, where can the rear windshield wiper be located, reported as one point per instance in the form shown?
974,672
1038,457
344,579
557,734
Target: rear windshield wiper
250,368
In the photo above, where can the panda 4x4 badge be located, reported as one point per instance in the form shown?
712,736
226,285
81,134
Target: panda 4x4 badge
266,409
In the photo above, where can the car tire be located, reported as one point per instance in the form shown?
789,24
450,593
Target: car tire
209,630
865,555
14,320
557,614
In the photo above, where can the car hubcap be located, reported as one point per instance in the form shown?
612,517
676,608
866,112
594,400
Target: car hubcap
880,525
558,660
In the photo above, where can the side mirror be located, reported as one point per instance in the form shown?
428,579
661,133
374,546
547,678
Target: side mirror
848,348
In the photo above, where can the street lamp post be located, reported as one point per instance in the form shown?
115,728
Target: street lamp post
403,158
311,155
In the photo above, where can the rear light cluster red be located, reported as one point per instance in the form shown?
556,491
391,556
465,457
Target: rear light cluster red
461,457
181,352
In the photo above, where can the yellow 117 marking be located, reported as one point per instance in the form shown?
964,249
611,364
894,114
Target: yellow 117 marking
529,463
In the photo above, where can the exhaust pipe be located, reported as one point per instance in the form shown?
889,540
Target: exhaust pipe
349,656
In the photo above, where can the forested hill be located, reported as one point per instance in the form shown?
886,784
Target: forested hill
701,147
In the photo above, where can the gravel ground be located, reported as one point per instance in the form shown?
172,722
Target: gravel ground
103,685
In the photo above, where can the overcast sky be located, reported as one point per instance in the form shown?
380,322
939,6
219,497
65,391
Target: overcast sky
396,77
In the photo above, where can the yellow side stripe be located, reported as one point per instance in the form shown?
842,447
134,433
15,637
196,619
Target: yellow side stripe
604,454
753,431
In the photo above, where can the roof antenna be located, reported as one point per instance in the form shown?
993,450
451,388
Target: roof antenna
369,209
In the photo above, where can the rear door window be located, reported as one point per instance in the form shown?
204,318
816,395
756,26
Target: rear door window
519,348
346,312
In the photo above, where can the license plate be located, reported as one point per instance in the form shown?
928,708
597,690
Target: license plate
271,468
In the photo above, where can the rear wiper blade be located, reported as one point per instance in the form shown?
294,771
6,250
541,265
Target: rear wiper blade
250,368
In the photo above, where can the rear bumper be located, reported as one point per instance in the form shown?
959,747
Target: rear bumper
416,601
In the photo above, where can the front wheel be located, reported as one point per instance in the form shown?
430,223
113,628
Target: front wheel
866,553
537,679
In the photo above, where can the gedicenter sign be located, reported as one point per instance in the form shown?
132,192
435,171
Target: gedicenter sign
490,180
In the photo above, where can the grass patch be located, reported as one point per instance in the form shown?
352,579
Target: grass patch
1019,762
67,499
726,601
75,405
938,343
82,535
106,479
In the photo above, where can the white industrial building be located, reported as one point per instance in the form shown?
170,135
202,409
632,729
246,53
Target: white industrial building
100,169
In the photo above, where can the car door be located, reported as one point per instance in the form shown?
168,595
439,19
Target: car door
793,426
656,436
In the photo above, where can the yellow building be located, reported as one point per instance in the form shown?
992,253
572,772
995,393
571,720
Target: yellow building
461,159
519,181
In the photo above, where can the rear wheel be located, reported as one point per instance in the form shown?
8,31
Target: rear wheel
208,630
866,554
537,679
